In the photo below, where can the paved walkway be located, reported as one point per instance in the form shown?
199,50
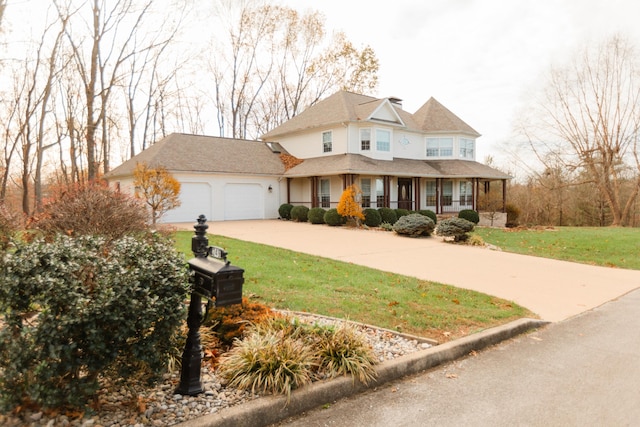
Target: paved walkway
555,290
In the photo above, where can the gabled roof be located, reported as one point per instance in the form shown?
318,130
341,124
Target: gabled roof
435,117
344,107
362,165
180,152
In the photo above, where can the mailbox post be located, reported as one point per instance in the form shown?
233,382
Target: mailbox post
213,277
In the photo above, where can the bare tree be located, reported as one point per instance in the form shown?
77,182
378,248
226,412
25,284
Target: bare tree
279,62
589,119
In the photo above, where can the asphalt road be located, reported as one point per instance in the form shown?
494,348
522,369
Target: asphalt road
584,371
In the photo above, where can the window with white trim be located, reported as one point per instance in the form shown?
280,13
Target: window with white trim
439,147
365,139
431,193
379,192
466,193
467,148
327,139
383,140
365,187
447,193
325,193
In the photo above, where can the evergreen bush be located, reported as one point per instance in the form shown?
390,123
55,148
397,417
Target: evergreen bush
388,215
333,218
469,215
414,225
372,217
401,212
77,309
285,211
456,228
316,215
300,213
429,213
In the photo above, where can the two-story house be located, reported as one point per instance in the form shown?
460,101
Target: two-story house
424,160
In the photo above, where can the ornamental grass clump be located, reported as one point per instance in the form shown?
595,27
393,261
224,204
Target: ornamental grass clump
283,353
344,351
268,361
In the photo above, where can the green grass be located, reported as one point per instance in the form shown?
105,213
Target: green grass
285,279
605,246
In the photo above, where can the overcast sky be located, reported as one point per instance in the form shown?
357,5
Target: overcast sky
477,57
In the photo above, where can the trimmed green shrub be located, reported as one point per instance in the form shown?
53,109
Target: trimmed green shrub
456,228
333,218
469,215
316,215
78,309
388,215
401,212
386,226
513,213
300,213
414,225
429,213
285,211
372,217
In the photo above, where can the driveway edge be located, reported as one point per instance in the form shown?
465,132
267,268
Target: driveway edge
272,409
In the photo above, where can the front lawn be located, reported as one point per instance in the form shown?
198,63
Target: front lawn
605,246
289,280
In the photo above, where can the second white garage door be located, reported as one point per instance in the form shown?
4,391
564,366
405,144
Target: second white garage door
243,201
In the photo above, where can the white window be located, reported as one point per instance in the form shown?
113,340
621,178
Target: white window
431,193
383,140
467,147
325,193
365,139
379,192
326,142
466,193
439,147
447,193
365,186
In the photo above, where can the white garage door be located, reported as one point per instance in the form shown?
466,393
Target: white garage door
195,198
243,201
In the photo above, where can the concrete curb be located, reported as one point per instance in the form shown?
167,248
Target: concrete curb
269,410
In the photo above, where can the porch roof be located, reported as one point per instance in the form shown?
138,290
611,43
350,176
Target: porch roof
362,165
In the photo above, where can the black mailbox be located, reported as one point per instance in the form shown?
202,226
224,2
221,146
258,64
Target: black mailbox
218,279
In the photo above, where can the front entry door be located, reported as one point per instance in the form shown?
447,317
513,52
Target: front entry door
404,193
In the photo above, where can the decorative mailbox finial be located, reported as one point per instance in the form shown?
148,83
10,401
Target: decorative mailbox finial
199,242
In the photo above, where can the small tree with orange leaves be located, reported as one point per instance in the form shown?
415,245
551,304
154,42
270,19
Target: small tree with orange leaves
157,188
349,205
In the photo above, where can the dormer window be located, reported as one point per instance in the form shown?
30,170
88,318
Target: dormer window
467,148
327,139
365,139
439,147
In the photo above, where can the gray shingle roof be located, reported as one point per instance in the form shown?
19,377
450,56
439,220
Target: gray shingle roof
361,165
346,106
194,153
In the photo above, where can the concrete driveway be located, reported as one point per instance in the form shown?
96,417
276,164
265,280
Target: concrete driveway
555,290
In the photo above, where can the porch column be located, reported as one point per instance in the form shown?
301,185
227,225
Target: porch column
347,180
474,193
386,183
438,193
504,195
314,192
289,190
416,198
